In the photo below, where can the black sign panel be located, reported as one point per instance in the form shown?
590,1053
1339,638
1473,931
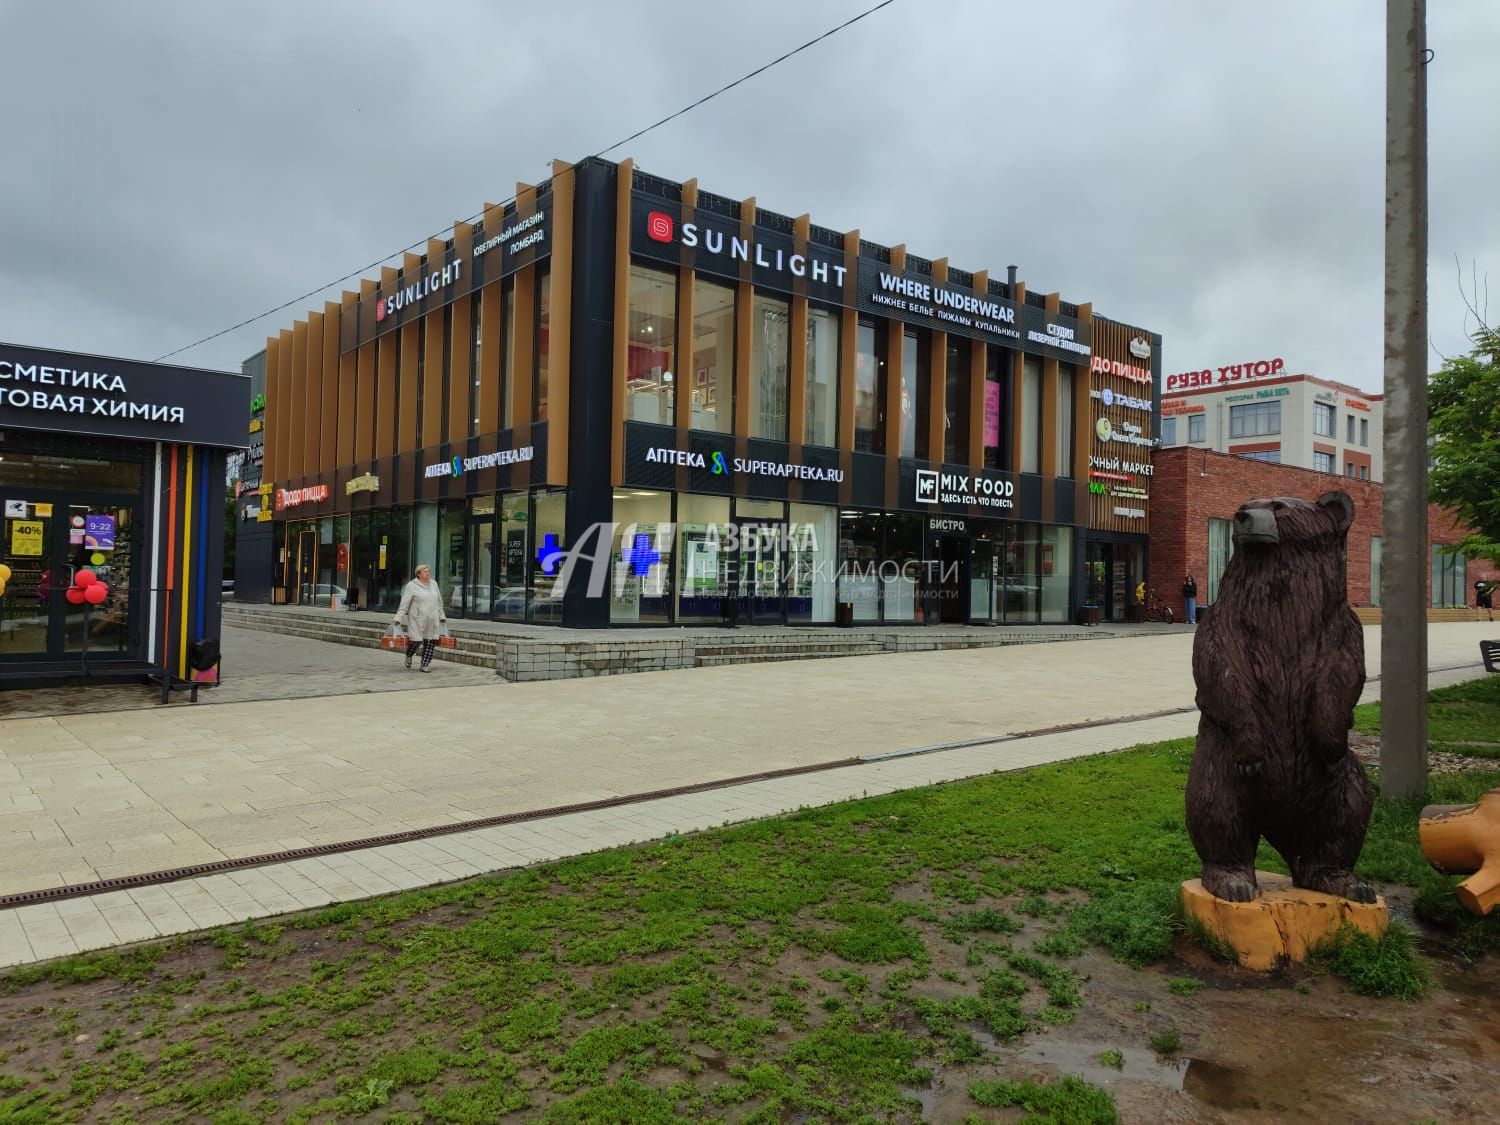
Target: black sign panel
69,393
518,240
714,245
989,493
920,299
720,464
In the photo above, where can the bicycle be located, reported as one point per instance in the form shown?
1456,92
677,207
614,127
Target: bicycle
1158,610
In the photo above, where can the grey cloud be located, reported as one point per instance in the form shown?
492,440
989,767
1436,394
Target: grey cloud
1214,172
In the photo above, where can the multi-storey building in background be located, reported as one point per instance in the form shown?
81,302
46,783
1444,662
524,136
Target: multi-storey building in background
1257,410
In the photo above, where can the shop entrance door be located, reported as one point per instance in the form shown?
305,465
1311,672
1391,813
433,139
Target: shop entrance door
48,544
952,580
482,587
759,565
307,557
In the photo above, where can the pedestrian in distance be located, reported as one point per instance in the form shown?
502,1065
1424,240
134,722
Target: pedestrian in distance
1190,599
421,616
1484,598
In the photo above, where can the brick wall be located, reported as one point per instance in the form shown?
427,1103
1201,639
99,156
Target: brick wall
1191,486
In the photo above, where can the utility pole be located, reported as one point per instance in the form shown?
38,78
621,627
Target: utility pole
1403,585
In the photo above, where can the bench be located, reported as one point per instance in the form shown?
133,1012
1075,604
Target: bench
1490,652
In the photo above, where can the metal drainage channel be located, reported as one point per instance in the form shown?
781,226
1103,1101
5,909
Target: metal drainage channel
175,874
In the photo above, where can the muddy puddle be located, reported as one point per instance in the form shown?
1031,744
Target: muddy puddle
1283,1047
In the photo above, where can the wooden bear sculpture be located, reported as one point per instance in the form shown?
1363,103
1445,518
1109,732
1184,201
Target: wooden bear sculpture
1279,665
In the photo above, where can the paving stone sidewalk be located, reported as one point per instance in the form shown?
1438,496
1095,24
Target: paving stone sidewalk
98,796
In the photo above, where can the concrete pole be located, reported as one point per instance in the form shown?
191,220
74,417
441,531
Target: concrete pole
1403,585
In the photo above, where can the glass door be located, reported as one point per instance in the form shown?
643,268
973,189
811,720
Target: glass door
307,560
759,567
99,542
481,568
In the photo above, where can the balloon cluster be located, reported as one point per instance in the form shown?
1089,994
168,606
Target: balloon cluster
4,576
86,588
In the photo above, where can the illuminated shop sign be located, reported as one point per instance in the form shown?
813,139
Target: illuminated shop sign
83,394
937,487
1140,347
1101,366
530,231
515,242
716,463
1355,404
1171,406
458,466
1231,373
1102,466
1125,433
366,483
1118,398
419,290
296,497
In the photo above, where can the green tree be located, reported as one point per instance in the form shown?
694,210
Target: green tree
1464,421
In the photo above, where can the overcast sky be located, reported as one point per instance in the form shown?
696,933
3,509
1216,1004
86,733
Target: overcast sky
1213,172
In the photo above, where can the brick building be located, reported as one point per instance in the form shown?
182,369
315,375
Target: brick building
1196,493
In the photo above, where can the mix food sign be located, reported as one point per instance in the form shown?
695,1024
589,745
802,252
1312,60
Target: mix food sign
83,394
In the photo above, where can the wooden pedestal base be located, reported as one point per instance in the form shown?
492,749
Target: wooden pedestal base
1283,923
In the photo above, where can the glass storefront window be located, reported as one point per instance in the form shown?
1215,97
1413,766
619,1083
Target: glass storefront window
508,356
549,524
704,565
770,355
956,401
1031,415
424,541
512,550
543,338
1056,573
859,563
811,563
996,371
640,558
822,377
869,387
911,409
713,357
1220,549
450,570
651,345
41,470
1065,382
901,567
1022,576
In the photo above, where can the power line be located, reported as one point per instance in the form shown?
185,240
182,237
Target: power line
511,199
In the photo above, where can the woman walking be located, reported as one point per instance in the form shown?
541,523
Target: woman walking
421,615
1190,599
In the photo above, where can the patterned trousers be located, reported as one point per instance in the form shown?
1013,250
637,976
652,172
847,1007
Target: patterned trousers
426,646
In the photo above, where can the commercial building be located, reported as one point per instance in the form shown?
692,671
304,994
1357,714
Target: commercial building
622,400
1198,492
112,476
1258,410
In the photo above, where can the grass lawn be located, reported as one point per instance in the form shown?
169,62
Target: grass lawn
821,965
1461,719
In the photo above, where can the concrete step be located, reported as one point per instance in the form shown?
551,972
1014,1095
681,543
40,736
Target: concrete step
478,652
